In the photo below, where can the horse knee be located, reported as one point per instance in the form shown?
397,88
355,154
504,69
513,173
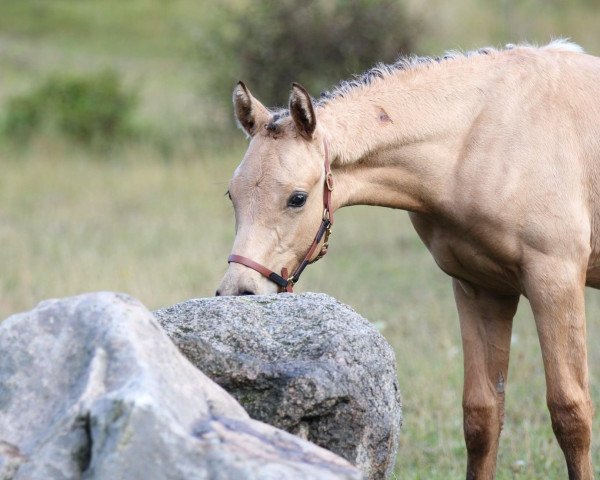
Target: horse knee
482,424
572,423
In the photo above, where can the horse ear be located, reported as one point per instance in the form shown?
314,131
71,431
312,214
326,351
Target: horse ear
249,112
302,111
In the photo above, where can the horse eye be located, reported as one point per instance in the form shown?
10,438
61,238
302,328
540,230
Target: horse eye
298,199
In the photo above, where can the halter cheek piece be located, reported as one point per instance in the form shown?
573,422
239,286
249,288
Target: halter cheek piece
285,283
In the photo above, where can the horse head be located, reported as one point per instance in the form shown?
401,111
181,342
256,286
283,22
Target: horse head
281,195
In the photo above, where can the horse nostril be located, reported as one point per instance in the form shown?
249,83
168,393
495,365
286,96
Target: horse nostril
218,293
247,292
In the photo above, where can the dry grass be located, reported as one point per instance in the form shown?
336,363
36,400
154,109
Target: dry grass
149,228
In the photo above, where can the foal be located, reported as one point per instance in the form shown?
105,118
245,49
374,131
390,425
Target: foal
496,155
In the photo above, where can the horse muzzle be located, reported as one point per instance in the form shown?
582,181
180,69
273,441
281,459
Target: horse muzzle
239,280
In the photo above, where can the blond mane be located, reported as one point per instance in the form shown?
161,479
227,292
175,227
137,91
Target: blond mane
382,70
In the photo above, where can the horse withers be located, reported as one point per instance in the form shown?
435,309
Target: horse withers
496,156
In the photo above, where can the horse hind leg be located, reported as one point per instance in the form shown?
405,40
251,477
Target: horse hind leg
486,326
556,294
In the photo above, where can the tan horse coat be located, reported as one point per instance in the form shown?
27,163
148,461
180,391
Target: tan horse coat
496,156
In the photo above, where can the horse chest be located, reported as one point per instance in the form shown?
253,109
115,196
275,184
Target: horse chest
467,257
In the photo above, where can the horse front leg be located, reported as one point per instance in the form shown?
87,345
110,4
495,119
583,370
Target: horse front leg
486,326
556,293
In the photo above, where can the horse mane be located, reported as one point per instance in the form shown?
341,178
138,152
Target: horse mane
411,62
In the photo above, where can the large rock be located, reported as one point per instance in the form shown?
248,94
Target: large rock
305,363
92,388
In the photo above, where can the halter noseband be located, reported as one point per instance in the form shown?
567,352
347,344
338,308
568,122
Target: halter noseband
285,283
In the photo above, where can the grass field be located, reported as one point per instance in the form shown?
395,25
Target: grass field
154,222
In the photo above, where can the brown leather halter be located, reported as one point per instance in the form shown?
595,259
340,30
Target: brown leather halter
285,283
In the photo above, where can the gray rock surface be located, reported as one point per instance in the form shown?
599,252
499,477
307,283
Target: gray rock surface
92,388
304,363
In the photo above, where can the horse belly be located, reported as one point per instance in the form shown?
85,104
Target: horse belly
465,258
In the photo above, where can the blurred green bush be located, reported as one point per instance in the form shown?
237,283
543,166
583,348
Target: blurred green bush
272,43
94,109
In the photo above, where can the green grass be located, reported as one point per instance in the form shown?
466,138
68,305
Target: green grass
161,231
151,219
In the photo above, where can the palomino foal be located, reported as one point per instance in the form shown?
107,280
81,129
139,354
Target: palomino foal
496,155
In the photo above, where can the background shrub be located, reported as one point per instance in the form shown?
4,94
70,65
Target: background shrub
272,43
93,109
23,116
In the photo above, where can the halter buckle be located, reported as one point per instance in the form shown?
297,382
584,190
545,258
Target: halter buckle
329,181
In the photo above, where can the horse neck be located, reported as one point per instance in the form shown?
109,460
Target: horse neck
394,142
